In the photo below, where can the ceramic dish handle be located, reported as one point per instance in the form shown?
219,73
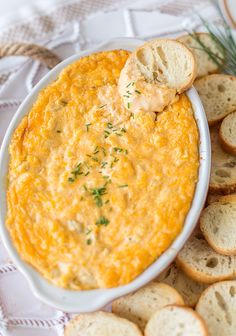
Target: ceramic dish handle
34,51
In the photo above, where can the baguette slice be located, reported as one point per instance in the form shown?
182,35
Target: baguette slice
223,167
205,65
217,93
228,133
155,73
200,262
218,225
139,306
189,289
212,198
217,306
100,324
176,321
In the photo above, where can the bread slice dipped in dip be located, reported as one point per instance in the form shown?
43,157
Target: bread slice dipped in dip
98,191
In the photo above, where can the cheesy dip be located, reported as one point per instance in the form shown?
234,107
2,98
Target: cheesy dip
96,193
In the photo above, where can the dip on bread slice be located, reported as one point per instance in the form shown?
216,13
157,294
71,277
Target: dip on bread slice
155,74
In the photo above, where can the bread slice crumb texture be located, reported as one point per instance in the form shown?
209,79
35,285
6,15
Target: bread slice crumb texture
217,93
217,306
205,65
154,74
138,307
200,262
228,133
101,324
223,167
176,321
189,289
218,225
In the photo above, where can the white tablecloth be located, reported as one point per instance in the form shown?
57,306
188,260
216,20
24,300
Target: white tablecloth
67,27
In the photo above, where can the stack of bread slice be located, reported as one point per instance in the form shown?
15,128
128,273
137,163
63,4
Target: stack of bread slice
196,295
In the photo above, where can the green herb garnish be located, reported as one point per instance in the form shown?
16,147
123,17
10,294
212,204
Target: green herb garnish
87,126
100,107
123,186
75,173
102,221
89,241
97,194
117,149
138,92
128,104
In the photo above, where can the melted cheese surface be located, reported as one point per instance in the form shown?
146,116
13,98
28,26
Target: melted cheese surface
95,193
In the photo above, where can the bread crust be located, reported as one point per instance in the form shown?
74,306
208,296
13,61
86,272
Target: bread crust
221,189
200,276
202,303
134,317
75,320
204,331
226,145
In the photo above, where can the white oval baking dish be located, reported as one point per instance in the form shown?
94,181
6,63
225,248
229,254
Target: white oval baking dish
87,301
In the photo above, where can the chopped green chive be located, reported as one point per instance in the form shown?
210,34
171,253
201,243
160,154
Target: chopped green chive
86,173
123,186
89,241
97,194
117,149
109,125
87,126
75,173
103,164
104,151
137,91
102,221
88,232
128,104
100,107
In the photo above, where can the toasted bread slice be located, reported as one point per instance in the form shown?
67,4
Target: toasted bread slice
155,73
205,65
217,306
189,289
228,133
217,223
212,198
200,262
139,306
223,167
217,93
100,324
175,320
